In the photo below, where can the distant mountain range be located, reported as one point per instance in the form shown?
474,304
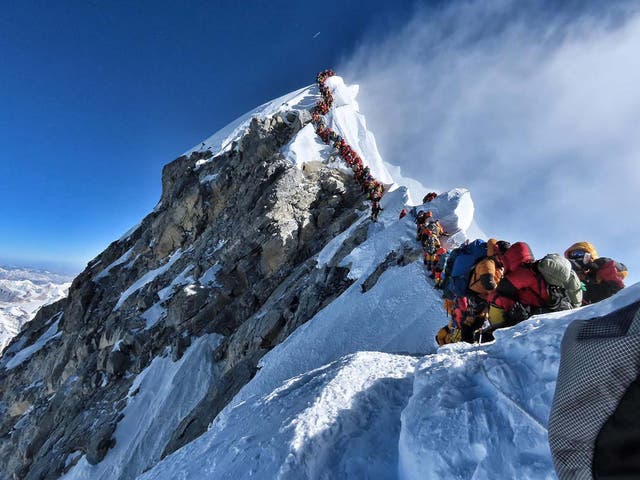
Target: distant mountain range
22,292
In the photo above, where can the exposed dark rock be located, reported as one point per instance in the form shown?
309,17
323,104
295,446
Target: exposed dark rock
229,250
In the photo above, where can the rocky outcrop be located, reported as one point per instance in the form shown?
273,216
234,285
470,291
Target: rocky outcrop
228,250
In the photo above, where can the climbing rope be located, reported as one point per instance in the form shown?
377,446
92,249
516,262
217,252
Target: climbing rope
361,173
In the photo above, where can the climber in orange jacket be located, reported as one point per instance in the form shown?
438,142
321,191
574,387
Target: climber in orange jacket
487,273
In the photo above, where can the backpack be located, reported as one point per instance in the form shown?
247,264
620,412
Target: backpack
557,271
431,244
527,286
605,279
516,255
485,276
446,273
464,260
442,261
611,271
522,281
434,227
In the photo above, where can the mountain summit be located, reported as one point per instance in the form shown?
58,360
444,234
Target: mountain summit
257,323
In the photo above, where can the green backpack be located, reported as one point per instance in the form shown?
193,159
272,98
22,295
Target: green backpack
557,271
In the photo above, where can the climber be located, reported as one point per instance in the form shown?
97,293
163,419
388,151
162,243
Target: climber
434,227
606,278
403,213
375,210
580,255
602,276
565,287
487,273
421,220
429,197
441,260
322,107
375,195
431,244
457,270
324,134
448,334
451,333
522,291
468,317
430,238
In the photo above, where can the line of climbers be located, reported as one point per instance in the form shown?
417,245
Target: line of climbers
495,284
361,173
429,232
486,285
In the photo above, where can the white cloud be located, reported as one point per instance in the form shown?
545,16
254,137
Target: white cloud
536,113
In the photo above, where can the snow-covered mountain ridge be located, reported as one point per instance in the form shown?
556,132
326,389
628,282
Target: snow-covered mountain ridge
22,292
257,324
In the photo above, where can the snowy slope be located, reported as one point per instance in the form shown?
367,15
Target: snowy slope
482,412
397,315
464,412
22,293
320,406
223,139
338,421
360,390
161,396
346,120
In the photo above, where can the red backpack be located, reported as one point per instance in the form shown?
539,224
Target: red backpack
529,285
611,271
516,255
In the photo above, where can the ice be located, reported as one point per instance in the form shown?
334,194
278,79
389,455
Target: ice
482,411
148,278
129,232
182,279
208,278
154,314
26,352
223,139
306,147
209,178
339,421
160,397
126,256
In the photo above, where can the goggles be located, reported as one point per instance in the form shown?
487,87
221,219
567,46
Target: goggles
577,254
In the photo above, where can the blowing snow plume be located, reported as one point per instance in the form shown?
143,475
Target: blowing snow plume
516,103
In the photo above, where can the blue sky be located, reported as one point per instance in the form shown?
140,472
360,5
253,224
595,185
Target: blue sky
533,108
95,97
